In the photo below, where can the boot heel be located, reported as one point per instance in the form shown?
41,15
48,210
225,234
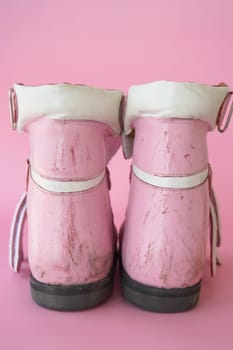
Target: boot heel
72,297
159,299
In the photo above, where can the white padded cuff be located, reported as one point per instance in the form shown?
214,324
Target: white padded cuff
167,99
67,101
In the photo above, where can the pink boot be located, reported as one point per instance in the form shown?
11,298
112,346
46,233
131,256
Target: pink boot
167,221
74,131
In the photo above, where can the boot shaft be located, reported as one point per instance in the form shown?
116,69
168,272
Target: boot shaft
171,146
69,149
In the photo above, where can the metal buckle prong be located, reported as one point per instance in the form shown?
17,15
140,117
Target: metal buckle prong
223,109
13,108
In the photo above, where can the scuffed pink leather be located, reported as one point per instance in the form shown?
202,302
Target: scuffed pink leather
166,230
70,149
71,236
170,146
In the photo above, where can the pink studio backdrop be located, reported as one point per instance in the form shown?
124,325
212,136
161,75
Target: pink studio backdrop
114,44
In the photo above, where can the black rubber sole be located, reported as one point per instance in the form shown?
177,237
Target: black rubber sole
73,297
159,299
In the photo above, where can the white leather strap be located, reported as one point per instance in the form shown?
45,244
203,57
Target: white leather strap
16,234
215,230
171,181
66,186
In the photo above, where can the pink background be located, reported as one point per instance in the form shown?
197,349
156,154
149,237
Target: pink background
114,44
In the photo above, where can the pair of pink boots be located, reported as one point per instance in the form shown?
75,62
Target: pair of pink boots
74,131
